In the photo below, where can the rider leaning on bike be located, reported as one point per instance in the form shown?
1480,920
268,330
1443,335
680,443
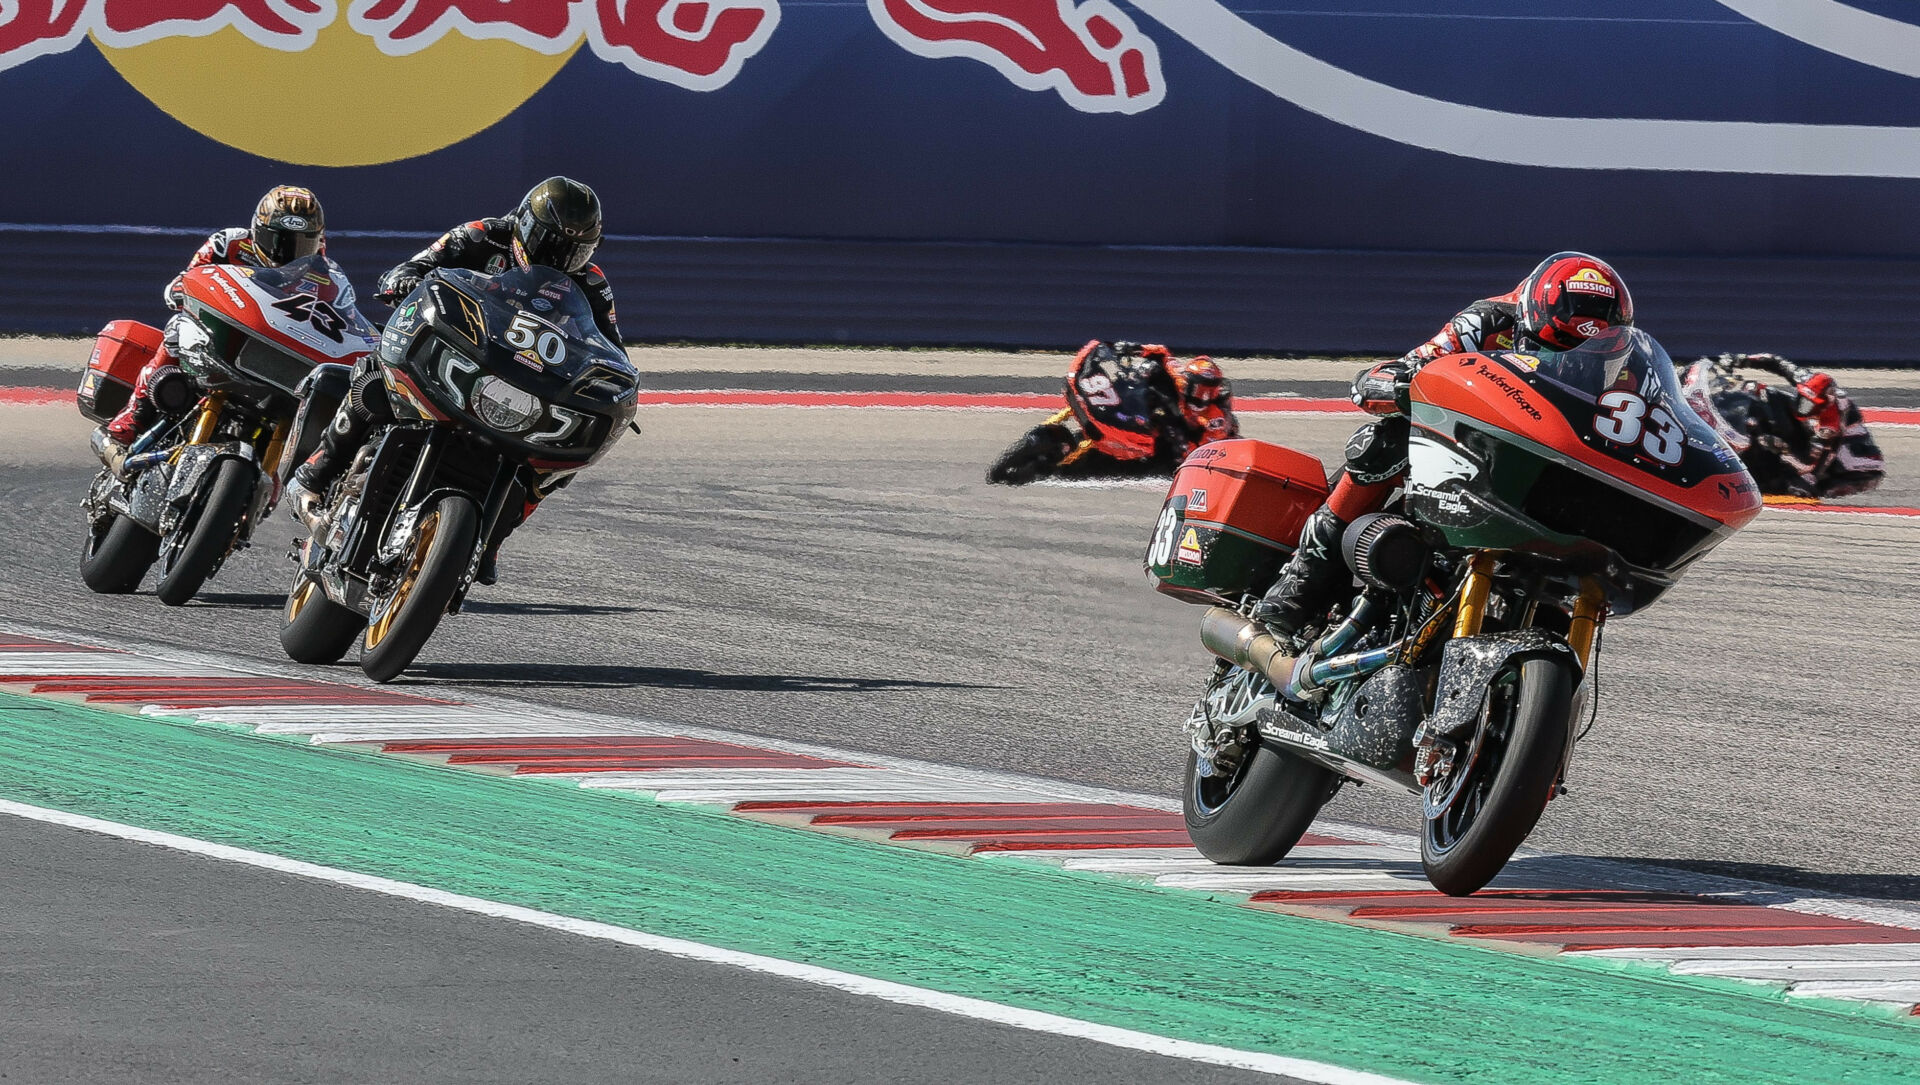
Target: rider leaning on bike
1567,299
288,224
557,225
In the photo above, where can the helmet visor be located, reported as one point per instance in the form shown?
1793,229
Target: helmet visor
549,247
285,238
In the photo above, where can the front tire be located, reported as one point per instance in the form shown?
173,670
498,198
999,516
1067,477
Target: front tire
119,552
1035,454
211,533
314,628
1256,816
1466,845
443,542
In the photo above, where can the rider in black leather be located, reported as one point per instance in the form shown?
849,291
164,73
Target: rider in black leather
557,225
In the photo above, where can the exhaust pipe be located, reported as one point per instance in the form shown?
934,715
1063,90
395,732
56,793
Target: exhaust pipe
1244,642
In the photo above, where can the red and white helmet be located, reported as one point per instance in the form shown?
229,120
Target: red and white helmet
1570,298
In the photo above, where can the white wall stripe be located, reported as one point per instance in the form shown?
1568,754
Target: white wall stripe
902,994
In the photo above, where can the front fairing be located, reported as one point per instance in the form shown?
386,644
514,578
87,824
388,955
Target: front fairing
531,329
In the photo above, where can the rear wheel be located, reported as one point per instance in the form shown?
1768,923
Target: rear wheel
1033,455
314,628
1501,792
211,532
1255,815
443,542
118,553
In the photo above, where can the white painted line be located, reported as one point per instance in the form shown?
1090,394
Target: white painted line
1245,883
947,793
99,665
899,993
1121,864
1796,971
1906,991
1896,951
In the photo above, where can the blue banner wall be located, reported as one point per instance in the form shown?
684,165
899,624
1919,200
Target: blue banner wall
1224,174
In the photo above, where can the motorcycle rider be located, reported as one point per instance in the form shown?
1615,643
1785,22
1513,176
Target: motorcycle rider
1198,393
1564,301
288,223
557,225
1837,457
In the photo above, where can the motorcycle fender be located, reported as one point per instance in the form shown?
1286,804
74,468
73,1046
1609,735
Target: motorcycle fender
1469,665
189,469
400,528
1376,725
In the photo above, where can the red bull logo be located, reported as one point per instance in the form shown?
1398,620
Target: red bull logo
385,51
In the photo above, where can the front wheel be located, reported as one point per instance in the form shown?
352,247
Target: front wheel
119,552
1529,712
1256,814
314,628
1033,455
211,532
443,541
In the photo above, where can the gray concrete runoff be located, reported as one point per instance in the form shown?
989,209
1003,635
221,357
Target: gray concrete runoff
32,352
847,578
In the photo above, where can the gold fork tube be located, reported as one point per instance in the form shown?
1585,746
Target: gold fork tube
1589,610
1473,596
209,417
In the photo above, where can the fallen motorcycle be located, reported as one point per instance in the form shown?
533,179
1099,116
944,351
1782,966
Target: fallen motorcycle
1546,493
491,379
196,485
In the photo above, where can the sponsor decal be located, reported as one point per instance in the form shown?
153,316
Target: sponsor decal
1528,362
542,304
1198,502
496,265
239,300
1590,328
530,358
1089,53
294,222
1589,281
1189,551
1510,390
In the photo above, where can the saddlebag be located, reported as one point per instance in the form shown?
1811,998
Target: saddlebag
1232,518
122,350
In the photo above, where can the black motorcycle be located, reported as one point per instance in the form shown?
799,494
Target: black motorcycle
493,381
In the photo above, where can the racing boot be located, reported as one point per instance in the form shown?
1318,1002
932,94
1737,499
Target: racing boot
1309,582
489,571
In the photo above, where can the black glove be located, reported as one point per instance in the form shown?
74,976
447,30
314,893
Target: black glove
395,287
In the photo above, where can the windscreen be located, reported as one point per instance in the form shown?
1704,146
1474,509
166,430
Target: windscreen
322,280
1630,380
551,296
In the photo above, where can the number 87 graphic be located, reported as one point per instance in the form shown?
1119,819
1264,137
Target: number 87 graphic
1627,421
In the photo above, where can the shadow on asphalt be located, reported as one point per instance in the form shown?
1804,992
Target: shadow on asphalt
538,609
616,676
1901,887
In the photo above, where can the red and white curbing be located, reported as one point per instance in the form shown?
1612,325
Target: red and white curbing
1806,945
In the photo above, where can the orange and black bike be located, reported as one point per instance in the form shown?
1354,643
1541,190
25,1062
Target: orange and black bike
1546,493
1121,408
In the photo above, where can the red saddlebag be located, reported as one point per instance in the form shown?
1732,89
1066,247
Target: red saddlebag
123,349
1232,518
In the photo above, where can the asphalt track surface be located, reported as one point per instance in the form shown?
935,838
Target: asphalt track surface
846,577
132,964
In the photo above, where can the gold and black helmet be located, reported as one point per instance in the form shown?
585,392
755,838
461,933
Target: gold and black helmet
557,225
288,224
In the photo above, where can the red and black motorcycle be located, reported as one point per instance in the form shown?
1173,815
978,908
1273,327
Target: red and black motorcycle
1546,493
1122,413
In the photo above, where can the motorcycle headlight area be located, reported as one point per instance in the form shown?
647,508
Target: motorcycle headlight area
503,406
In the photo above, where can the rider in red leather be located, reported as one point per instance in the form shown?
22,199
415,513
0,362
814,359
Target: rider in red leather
288,223
1567,299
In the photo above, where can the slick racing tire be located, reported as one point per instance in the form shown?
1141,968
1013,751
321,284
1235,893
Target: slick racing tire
211,532
443,541
1032,456
314,628
1257,815
1508,784
119,552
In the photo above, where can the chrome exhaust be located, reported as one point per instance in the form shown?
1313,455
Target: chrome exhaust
1244,642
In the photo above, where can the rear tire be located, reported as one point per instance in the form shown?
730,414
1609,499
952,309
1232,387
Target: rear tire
211,533
1256,817
1033,455
1467,845
314,628
443,542
118,554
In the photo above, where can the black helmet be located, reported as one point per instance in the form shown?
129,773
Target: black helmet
287,225
557,225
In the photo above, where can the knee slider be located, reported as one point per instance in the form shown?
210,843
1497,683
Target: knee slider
1378,451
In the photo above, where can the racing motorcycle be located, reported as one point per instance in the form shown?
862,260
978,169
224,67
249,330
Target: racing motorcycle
195,486
1770,428
491,380
1546,492
1121,402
